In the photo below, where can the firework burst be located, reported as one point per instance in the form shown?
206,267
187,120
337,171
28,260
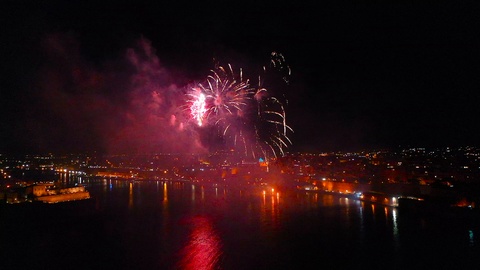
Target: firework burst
249,119
198,106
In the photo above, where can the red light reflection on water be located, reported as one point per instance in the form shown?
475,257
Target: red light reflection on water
204,247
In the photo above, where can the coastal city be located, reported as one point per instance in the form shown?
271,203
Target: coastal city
249,135
449,175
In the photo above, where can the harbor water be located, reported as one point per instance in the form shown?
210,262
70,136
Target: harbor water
180,225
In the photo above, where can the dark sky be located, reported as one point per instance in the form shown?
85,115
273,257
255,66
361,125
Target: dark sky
364,75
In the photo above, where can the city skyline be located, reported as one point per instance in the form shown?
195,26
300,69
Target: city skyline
77,76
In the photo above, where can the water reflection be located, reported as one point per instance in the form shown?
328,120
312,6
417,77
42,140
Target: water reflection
165,194
388,217
273,209
204,248
280,225
270,209
362,221
130,196
104,185
470,238
396,240
395,223
328,200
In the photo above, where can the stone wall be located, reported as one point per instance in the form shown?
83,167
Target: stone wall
393,189
64,197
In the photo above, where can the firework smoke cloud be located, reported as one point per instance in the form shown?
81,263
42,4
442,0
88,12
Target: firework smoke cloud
135,105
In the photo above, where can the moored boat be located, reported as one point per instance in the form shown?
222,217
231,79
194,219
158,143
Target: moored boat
379,198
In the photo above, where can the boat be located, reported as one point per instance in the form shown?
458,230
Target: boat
379,198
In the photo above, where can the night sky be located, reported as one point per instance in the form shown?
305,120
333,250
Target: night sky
79,75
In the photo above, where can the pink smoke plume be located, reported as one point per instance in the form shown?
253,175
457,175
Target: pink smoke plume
123,106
